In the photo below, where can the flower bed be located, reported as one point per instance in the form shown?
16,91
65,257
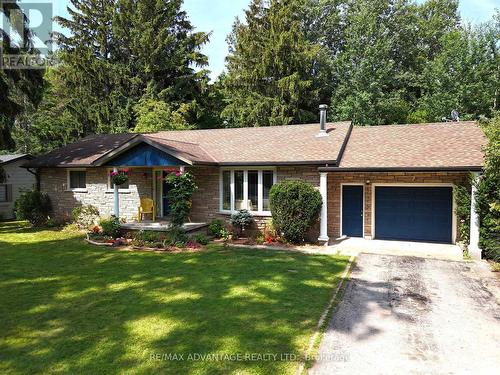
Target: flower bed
175,240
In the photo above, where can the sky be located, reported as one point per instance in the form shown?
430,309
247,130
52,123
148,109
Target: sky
217,17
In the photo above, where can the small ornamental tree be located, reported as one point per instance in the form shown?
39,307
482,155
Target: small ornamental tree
295,207
182,187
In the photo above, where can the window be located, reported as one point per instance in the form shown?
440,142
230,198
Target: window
267,184
226,189
111,186
77,179
5,193
246,189
253,190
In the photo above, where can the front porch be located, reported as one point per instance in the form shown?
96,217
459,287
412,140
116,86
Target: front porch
148,164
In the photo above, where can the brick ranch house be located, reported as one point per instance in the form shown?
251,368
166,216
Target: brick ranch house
384,182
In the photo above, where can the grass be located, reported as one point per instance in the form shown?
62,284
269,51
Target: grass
69,307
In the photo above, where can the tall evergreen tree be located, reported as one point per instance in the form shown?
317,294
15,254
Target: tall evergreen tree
271,77
18,88
120,51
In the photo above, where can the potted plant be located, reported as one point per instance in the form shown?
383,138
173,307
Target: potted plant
119,177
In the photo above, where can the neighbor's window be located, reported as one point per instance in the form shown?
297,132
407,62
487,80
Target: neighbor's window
4,193
246,189
77,179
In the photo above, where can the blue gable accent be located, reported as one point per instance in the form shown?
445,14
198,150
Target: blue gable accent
144,155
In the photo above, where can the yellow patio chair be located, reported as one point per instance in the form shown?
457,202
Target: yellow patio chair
147,207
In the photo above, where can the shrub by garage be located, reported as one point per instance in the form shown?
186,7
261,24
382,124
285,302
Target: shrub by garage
295,207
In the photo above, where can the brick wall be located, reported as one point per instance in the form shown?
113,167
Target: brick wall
206,198
336,179
54,182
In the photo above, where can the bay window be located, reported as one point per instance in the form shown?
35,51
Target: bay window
246,189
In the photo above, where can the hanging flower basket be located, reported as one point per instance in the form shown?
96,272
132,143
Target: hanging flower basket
120,177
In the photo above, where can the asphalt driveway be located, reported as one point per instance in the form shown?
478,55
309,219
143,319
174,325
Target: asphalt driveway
408,315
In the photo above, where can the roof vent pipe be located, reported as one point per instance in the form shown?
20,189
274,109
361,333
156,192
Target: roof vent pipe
322,120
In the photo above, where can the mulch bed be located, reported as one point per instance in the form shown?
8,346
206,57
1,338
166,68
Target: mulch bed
129,247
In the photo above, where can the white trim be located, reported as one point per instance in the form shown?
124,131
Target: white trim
260,189
342,204
68,186
323,189
410,184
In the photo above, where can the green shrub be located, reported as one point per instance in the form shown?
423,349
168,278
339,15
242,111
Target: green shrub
34,207
201,239
241,220
110,226
177,235
84,216
462,195
215,228
295,207
181,189
488,197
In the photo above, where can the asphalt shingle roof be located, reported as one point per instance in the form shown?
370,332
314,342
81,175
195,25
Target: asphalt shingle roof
7,158
436,145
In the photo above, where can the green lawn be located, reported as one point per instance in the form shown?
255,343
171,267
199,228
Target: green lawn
68,307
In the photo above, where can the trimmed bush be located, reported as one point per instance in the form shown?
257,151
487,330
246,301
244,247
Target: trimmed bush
85,216
34,207
295,207
216,227
110,226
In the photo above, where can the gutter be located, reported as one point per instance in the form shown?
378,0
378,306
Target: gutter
401,169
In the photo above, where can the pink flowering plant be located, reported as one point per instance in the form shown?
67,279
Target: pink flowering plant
119,177
182,187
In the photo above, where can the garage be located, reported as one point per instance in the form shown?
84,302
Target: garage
414,213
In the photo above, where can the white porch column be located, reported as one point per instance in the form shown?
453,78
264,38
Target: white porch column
474,250
323,189
116,197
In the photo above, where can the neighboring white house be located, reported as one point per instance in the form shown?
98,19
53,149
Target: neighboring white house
16,181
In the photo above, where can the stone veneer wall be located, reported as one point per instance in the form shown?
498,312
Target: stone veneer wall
54,182
335,179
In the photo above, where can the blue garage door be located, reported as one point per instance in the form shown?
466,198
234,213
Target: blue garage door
414,213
